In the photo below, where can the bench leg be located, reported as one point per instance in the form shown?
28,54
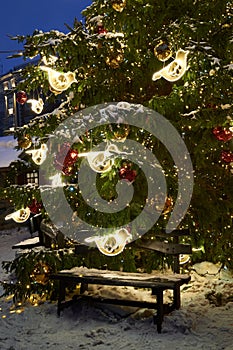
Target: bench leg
83,287
176,297
158,319
61,296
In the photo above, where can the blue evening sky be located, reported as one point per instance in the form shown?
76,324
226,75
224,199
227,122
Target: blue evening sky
24,17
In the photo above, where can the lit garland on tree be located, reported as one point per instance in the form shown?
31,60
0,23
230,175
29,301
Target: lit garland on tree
159,57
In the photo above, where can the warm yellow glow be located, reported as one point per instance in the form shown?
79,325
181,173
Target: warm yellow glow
59,81
37,105
39,155
112,244
20,215
174,70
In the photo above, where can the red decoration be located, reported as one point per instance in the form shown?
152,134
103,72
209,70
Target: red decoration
21,97
65,159
101,30
128,174
35,206
222,134
227,156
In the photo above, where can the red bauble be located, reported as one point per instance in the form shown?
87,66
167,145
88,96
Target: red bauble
128,174
21,97
65,159
227,156
35,206
101,30
222,134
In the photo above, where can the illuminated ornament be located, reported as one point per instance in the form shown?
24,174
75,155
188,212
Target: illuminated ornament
128,174
25,141
39,155
50,60
20,215
184,258
227,156
114,59
121,133
174,70
168,206
40,273
37,105
58,81
21,97
162,51
102,161
118,5
112,244
222,134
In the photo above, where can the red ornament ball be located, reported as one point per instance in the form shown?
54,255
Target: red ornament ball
101,30
222,134
35,207
227,156
65,158
21,97
128,174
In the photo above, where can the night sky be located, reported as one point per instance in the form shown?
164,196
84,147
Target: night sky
22,18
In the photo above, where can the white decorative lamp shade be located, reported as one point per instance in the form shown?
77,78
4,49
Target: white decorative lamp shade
59,81
112,244
174,70
20,215
37,105
39,155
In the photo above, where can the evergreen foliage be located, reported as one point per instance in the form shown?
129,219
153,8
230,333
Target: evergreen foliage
113,56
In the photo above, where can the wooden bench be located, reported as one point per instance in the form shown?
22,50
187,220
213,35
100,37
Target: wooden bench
157,283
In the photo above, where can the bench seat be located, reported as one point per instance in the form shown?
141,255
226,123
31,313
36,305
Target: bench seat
157,283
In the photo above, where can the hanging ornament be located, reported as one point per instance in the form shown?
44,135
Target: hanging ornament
65,159
21,97
50,60
25,141
39,155
20,215
114,59
162,51
35,207
121,133
184,259
118,5
222,134
40,273
112,244
168,206
58,81
128,174
227,156
99,161
37,105
174,70
101,29
102,161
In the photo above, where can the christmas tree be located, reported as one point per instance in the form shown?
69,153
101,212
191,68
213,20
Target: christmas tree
151,73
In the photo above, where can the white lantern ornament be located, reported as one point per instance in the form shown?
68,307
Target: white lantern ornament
39,155
20,215
59,81
112,244
37,105
174,70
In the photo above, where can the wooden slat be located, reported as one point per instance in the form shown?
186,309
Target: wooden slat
167,248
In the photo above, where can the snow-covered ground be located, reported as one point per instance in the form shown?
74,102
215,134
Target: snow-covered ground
197,325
